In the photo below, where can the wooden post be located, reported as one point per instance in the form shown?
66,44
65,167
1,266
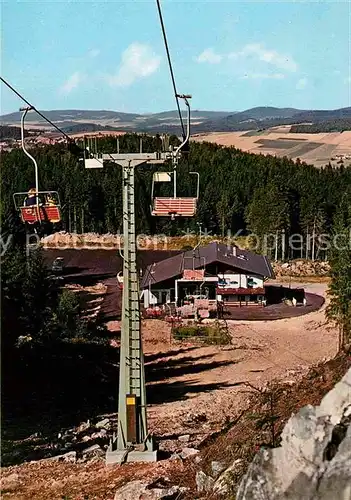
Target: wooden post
75,218
307,244
82,220
69,219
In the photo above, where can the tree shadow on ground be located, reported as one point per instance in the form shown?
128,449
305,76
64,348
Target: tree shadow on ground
174,352
58,385
171,391
182,366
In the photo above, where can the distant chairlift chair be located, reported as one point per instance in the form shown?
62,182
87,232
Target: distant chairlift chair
173,206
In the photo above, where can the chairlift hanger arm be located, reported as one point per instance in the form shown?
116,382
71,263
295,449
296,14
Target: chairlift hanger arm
198,183
25,111
186,98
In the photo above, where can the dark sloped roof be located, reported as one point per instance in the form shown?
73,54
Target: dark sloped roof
214,252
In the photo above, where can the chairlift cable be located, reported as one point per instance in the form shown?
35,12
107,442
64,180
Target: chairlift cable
35,109
170,65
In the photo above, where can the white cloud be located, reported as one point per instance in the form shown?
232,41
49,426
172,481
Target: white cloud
209,56
262,76
273,57
94,53
302,83
138,61
347,80
254,50
71,83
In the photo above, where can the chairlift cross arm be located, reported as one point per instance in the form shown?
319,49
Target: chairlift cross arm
146,157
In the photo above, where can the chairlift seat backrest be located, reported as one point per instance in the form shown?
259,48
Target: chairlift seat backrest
162,177
185,207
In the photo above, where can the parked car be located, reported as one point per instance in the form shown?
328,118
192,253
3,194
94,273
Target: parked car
57,266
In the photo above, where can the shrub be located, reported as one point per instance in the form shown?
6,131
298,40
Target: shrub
216,334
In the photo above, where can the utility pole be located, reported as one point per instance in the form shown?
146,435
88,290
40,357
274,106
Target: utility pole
133,442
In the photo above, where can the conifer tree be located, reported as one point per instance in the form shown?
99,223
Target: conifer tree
339,309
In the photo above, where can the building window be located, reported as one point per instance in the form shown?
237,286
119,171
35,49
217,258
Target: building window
250,283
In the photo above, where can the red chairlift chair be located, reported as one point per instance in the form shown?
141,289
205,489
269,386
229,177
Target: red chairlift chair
48,208
173,206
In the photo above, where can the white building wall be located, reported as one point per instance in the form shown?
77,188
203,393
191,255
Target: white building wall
149,298
258,280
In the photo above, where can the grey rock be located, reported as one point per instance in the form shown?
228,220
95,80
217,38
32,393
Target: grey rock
71,456
223,484
217,468
314,459
336,478
103,424
188,452
204,483
99,435
185,438
86,438
93,452
83,427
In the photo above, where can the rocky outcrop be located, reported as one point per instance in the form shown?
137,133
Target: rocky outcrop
143,490
301,267
314,459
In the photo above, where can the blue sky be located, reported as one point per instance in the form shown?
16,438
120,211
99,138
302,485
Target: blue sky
229,55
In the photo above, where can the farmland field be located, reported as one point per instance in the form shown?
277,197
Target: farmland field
280,144
317,149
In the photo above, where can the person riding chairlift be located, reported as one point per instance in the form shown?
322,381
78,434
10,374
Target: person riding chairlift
32,198
50,200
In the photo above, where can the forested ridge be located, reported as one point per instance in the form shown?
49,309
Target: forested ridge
337,125
238,191
7,132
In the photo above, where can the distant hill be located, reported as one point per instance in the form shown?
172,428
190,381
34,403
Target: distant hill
266,113
87,127
168,121
70,115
